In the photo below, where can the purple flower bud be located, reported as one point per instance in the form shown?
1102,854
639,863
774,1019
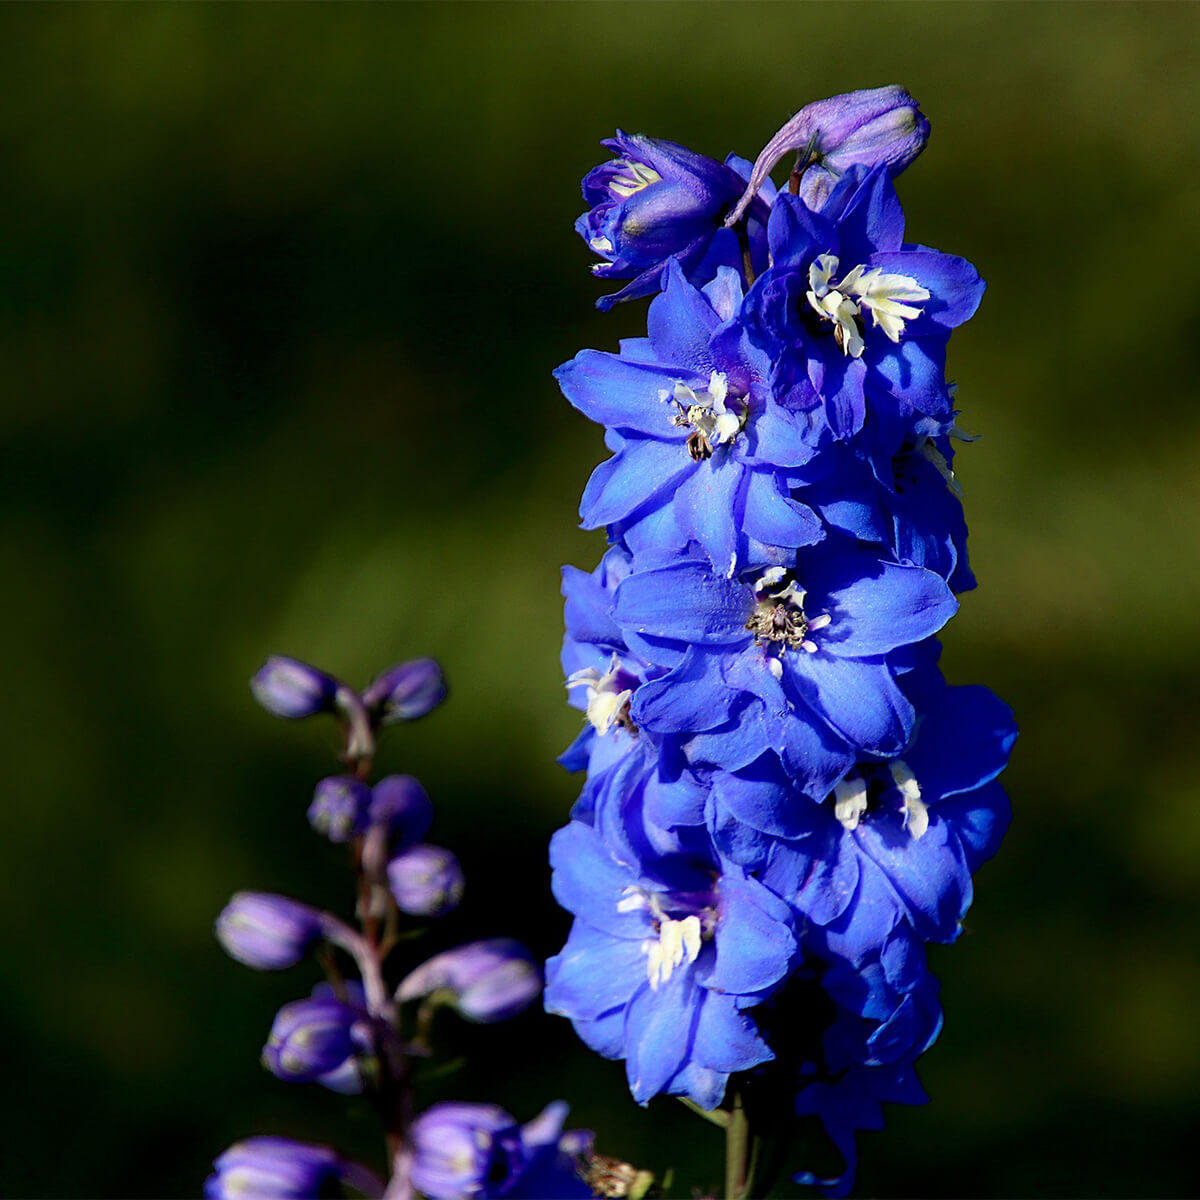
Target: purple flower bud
655,201
406,691
400,803
425,881
292,689
477,1151
273,1167
459,1148
870,128
339,807
319,1040
266,931
485,981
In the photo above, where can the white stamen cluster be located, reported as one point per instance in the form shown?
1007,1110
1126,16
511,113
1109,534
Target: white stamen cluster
606,704
916,813
636,176
713,423
678,942
842,301
851,801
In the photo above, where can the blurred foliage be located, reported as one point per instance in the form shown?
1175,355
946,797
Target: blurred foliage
280,291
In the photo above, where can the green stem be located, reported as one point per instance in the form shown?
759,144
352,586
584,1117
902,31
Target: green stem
737,1143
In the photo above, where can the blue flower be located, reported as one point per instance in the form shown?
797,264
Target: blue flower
791,662
657,202
702,448
848,307
663,959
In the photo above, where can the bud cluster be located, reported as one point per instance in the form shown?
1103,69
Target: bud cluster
785,799
360,1031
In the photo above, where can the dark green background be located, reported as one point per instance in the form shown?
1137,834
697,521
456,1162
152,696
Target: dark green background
281,288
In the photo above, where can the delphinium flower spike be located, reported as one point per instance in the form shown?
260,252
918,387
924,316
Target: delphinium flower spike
784,798
357,1032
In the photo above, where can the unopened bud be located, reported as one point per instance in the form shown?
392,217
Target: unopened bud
319,1040
401,804
266,931
289,688
484,981
339,807
869,128
406,691
275,1168
425,881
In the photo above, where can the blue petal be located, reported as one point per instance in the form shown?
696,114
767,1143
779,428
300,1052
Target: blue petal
953,283
593,974
699,1084
644,468
705,507
589,609
872,221
839,382
685,603
690,698
659,1031
963,742
915,372
589,882
795,234
771,516
858,697
761,799
755,944
726,1039
894,606
624,394
680,322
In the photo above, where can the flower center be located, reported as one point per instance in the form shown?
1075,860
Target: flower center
609,693
682,924
853,797
778,614
631,178
842,301
705,413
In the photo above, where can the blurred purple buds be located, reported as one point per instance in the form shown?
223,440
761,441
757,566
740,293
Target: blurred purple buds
322,1040
339,807
289,688
406,691
273,1167
266,931
477,1151
870,128
277,1168
460,1149
401,804
425,881
484,981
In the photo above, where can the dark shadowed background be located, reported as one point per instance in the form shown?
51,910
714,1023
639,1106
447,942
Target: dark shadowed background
281,288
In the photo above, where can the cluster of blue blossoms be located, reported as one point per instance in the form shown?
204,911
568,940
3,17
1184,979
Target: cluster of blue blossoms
785,800
359,1032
